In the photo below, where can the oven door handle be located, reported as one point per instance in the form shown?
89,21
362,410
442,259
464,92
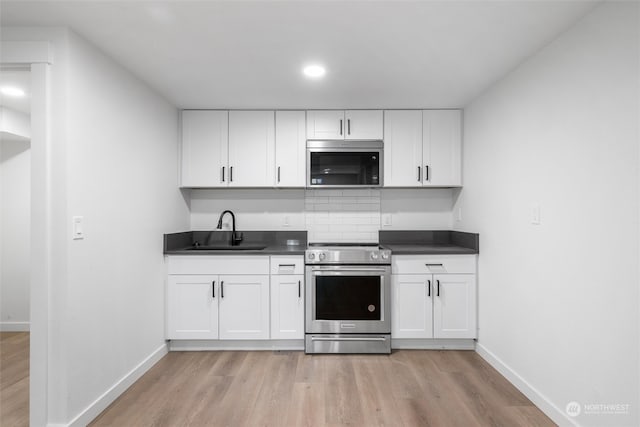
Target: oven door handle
348,269
347,339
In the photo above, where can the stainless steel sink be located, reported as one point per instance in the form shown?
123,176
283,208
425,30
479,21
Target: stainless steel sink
225,247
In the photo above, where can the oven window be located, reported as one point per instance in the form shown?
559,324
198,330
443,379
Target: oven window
348,298
344,168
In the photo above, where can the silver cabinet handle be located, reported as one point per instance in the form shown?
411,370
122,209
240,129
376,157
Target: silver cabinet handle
419,173
434,265
231,174
348,126
438,284
222,289
278,174
426,172
340,126
428,288
213,289
223,174
299,289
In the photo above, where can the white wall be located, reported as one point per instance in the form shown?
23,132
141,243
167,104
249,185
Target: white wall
122,178
268,209
15,227
114,161
14,123
558,302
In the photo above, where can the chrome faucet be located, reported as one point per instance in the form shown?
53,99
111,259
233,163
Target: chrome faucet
235,238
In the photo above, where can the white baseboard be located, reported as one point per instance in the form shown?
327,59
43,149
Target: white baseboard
235,345
15,326
432,344
556,414
101,403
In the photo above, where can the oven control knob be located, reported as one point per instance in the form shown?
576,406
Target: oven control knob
312,255
322,256
374,255
385,255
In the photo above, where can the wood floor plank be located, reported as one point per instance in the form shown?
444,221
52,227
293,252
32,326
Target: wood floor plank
407,388
14,379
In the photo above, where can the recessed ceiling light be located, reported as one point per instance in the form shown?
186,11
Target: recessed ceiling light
12,91
314,71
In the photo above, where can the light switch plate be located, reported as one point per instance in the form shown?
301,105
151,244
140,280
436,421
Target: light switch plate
77,227
386,220
535,214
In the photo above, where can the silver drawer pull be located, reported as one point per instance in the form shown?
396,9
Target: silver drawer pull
434,265
348,339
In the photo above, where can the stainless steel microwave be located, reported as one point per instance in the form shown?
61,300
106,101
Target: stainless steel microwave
344,164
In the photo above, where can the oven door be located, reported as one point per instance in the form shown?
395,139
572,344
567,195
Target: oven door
348,299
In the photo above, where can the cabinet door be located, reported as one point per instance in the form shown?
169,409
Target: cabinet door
325,124
363,124
290,148
403,148
411,306
287,307
192,307
244,307
204,148
454,307
251,148
442,149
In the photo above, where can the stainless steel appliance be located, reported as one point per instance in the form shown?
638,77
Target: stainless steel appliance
344,164
347,306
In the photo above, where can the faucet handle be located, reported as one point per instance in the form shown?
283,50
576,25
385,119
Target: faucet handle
237,237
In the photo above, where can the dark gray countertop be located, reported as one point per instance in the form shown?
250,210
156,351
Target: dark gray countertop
409,242
429,242
274,242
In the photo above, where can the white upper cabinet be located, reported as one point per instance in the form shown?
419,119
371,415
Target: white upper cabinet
290,149
204,148
422,148
325,124
442,148
402,148
363,124
251,148
341,124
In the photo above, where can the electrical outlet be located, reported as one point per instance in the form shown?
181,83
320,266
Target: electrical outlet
285,221
386,220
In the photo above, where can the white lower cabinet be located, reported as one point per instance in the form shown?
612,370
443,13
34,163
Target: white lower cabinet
235,297
433,296
244,307
202,305
192,307
287,297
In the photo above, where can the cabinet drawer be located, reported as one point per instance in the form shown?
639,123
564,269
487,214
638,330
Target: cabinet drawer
231,264
433,264
287,265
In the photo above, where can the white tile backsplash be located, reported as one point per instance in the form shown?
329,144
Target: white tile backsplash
342,215
317,210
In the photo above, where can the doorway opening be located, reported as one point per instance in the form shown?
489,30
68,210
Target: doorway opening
15,244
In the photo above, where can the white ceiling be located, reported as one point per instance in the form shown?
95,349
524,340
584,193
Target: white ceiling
248,54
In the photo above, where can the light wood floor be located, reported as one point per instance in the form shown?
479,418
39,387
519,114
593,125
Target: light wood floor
407,388
14,379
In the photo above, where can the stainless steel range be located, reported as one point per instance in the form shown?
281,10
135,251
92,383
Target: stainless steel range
347,307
